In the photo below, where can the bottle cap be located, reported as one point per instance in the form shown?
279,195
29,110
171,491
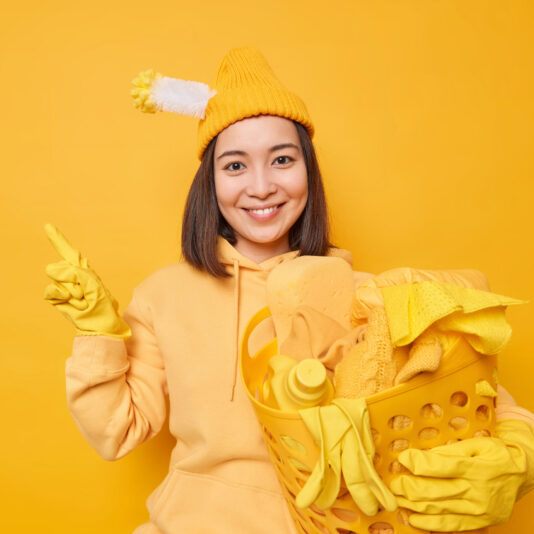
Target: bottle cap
306,382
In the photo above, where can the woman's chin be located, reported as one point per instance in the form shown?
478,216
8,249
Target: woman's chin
265,241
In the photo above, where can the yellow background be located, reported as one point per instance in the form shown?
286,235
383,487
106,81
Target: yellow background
424,116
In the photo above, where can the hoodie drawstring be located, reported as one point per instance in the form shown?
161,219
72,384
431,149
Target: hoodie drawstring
236,317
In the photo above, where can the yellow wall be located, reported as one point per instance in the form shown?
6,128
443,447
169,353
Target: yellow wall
424,117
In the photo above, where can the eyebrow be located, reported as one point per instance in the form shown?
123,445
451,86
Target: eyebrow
272,149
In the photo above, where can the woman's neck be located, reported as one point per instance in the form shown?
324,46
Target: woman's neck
260,252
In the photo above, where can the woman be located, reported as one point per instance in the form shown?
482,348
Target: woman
256,200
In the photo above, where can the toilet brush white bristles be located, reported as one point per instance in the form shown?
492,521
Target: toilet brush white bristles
181,96
156,92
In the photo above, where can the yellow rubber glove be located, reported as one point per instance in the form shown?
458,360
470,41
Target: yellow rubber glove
357,452
79,293
343,432
327,425
462,486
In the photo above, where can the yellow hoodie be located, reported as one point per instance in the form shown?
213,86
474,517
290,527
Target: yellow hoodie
186,326
184,343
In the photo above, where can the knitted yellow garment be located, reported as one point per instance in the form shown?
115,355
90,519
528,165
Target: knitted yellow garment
374,364
425,355
369,366
479,315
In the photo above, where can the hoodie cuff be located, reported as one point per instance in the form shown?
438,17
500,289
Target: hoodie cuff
507,407
99,353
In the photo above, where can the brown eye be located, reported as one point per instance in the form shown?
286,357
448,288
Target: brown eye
284,157
230,166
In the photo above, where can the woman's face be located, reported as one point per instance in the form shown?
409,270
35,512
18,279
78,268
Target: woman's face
261,183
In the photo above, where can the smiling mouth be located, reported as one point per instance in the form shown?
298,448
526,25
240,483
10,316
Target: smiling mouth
264,211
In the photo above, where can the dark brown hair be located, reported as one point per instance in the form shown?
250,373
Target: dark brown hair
203,222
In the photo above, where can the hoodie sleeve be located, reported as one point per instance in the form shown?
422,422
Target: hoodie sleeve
507,408
116,388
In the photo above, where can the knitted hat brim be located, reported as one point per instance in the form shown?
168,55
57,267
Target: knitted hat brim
232,105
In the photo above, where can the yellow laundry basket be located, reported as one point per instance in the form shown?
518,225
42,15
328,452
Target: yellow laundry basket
429,410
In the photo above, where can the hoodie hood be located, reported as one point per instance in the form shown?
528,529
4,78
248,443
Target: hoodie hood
227,255
230,256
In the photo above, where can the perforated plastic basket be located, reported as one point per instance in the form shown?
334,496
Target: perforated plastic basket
438,408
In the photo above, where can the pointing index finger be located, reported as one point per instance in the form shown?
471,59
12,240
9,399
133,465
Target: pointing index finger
62,245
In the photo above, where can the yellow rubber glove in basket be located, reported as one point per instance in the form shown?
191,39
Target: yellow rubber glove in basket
79,293
343,432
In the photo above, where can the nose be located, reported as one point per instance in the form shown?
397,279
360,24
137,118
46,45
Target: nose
261,184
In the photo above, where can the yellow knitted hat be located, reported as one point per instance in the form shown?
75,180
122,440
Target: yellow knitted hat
245,86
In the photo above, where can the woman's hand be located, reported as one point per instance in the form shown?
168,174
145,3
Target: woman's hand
79,293
462,486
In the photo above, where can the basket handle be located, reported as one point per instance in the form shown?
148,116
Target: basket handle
255,320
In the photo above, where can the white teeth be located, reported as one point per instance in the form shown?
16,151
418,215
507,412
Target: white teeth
264,211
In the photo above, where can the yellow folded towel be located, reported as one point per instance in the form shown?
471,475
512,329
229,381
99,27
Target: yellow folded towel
412,308
368,294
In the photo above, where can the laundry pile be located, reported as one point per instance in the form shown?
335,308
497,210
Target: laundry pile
364,340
